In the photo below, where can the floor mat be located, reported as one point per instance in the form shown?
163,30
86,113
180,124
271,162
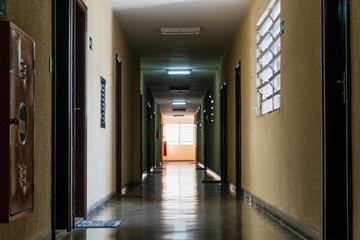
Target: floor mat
99,224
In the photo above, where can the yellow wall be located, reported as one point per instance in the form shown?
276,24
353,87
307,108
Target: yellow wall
108,40
355,68
281,151
34,18
179,152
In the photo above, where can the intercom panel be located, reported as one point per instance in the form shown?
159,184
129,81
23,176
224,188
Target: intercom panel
17,72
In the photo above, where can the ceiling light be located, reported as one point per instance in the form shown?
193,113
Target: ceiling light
179,72
180,31
178,102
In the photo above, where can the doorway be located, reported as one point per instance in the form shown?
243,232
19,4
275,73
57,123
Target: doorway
337,159
118,126
224,129
238,125
150,138
79,109
205,119
68,113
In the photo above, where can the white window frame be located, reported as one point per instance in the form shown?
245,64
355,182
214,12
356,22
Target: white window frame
268,43
180,136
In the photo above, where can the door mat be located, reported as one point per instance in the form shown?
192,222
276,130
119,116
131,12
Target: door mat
99,224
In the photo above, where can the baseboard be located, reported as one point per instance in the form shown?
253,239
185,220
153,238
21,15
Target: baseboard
293,224
93,208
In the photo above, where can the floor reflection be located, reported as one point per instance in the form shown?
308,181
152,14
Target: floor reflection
176,205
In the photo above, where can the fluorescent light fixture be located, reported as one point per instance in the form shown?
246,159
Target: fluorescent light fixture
180,31
178,102
179,72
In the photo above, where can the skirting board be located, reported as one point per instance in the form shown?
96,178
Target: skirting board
283,218
92,209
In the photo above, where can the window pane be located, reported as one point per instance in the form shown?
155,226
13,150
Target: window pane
275,11
266,58
266,74
276,64
275,47
265,26
266,91
267,106
265,42
275,30
172,134
186,134
276,101
276,82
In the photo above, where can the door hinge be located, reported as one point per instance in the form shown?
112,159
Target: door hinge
343,84
50,65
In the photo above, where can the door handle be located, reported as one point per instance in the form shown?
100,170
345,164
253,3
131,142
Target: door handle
343,83
14,121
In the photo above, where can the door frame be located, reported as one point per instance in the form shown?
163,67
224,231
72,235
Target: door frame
141,134
238,125
337,152
205,118
79,110
150,137
224,132
62,115
118,124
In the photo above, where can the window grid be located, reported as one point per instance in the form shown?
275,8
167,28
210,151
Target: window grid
179,134
269,60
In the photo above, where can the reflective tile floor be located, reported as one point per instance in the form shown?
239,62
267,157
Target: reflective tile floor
177,205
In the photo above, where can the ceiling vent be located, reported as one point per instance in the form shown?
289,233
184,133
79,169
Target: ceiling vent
180,31
178,115
179,88
179,109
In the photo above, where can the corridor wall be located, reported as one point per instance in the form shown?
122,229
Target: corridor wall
212,145
147,97
108,40
355,72
281,151
34,18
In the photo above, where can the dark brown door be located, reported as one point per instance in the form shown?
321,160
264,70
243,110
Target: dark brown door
337,161
150,138
223,96
118,125
79,103
238,125
62,115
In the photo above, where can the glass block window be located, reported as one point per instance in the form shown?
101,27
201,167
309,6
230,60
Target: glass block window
179,134
269,58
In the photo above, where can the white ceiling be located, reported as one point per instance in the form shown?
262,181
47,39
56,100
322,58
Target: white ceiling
141,21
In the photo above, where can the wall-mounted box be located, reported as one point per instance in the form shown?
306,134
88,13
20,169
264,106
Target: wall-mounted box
17,53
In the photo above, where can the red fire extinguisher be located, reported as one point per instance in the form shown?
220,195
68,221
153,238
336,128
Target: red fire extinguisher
165,149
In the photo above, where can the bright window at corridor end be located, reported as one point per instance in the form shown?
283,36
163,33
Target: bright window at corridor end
269,58
179,134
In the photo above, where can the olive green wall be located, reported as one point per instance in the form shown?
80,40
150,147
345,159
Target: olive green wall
157,140
212,128
34,18
281,151
147,97
355,71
